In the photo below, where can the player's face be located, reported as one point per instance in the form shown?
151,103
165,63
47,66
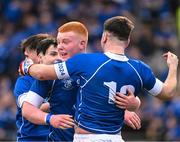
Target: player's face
50,56
69,44
32,55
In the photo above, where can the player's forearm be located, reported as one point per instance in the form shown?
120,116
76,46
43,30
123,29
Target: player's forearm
42,72
45,107
33,114
169,86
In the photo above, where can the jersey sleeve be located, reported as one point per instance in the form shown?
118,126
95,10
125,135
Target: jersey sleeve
150,82
22,86
38,92
69,68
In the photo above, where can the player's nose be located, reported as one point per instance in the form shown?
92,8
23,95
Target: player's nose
60,47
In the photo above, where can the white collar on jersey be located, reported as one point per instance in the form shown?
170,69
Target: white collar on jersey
117,57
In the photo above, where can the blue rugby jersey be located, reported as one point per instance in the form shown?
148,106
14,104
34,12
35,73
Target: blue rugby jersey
101,75
27,131
62,97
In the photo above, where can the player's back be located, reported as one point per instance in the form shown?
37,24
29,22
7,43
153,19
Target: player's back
101,76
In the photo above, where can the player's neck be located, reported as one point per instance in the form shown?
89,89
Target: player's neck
113,48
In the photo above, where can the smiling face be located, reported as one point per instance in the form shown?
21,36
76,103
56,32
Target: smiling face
69,44
72,38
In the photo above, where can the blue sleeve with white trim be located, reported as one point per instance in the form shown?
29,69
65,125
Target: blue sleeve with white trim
22,85
72,67
42,88
148,76
150,82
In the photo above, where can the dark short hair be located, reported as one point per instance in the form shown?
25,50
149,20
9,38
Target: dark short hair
32,41
119,26
44,44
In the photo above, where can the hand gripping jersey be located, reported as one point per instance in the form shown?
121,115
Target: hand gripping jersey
27,131
101,75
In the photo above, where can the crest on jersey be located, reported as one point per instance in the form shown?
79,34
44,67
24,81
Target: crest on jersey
67,84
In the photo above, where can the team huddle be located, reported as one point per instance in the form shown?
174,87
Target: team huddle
65,94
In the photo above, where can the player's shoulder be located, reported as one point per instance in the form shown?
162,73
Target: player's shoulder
43,82
23,80
22,84
138,62
83,57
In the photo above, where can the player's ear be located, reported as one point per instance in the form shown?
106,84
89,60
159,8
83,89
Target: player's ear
83,44
128,41
104,37
40,58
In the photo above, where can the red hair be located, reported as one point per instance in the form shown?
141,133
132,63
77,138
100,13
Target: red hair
76,27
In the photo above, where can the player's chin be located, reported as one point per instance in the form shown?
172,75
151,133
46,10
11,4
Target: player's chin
66,57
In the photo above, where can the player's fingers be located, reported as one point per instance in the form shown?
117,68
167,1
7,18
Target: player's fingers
66,125
165,54
131,124
69,123
120,99
119,102
136,122
130,93
121,95
63,127
68,117
137,118
120,106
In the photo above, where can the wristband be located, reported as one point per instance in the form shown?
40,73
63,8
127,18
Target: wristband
48,118
24,66
27,64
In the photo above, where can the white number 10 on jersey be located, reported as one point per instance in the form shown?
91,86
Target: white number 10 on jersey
112,90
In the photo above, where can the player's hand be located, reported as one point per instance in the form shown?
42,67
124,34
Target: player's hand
132,120
129,102
172,60
24,66
62,121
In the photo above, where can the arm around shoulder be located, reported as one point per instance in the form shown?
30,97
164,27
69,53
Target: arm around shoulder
42,72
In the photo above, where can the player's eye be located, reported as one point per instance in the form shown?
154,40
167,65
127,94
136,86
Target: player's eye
53,53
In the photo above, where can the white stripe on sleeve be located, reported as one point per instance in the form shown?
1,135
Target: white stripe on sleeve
157,88
61,70
21,99
34,99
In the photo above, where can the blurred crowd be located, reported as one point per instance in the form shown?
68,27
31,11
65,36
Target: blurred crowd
156,32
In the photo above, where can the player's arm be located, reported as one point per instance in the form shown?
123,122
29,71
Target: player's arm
22,85
38,71
44,72
130,103
31,111
170,84
166,90
45,107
